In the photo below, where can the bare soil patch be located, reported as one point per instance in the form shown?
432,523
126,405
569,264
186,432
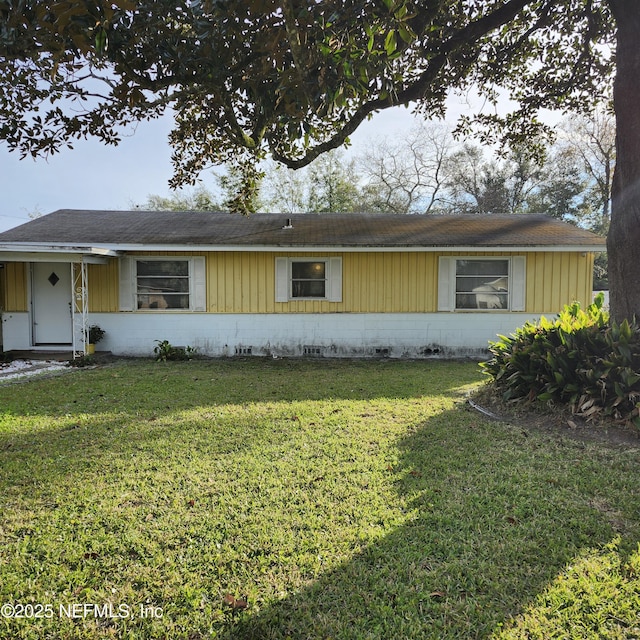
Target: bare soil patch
552,419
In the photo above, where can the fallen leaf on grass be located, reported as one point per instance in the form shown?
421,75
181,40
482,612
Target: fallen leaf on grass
436,595
235,603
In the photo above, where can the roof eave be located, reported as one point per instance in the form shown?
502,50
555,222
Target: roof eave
130,248
33,252
21,250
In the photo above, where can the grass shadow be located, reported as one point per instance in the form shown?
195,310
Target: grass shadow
492,519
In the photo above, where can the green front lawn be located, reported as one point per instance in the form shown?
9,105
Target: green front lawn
304,499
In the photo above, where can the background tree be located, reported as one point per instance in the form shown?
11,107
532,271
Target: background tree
478,182
284,190
474,184
591,141
235,191
406,175
198,199
333,185
561,190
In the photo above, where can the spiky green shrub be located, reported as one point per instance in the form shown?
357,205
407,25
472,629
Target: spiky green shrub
580,359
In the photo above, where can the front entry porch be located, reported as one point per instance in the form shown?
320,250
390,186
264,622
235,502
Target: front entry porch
53,316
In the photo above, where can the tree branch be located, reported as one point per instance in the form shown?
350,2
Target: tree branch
472,32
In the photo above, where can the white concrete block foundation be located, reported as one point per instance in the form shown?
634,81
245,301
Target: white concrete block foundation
396,335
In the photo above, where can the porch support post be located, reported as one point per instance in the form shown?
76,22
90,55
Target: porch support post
79,308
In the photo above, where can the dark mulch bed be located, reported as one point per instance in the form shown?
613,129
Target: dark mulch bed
553,419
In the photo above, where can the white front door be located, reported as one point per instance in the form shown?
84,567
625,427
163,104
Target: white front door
51,303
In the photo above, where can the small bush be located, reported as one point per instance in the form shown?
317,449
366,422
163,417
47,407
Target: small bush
164,351
580,359
96,334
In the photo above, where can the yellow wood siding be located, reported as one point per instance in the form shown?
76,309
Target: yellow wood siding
15,293
556,279
245,283
402,282
103,287
398,282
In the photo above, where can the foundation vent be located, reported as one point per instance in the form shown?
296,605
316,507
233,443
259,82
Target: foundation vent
243,351
312,350
431,351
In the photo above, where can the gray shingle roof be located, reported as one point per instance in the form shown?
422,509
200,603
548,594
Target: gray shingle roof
166,228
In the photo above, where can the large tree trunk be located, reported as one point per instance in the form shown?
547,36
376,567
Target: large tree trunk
623,242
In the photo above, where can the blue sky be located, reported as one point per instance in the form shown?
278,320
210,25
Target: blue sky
94,176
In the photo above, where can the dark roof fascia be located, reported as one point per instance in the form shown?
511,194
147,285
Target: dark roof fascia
130,249
116,250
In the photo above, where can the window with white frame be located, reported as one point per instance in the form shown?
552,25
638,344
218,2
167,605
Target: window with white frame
162,283
309,279
490,284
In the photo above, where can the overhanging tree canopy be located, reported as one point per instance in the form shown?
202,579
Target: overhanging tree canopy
294,78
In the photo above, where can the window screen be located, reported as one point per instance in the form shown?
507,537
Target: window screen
308,279
482,284
162,284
